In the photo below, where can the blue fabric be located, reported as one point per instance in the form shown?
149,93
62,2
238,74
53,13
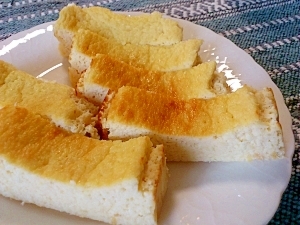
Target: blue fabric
275,22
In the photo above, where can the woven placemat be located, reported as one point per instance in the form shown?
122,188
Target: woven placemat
267,30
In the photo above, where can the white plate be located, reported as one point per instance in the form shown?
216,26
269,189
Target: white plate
198,193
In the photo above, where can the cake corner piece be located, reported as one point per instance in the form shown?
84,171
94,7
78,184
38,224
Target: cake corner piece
111,181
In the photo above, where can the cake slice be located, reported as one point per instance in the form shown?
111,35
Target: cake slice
5,69
87,44
56,101
111,181
106,73
152,29
239,126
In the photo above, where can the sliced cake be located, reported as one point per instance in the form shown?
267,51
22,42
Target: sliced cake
111,181
152,29
106,73
56,101
242,125
87,44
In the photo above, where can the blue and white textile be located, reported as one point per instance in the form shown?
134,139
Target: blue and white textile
268,30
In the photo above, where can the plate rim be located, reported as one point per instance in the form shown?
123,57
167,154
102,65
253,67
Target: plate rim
279,96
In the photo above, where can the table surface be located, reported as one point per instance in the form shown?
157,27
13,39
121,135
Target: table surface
267,30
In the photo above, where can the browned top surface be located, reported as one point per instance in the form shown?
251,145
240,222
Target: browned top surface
48,98
143,29
164,58
195,117
108,72
35,144
5,69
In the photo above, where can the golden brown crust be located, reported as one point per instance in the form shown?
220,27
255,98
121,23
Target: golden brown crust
164,58
196,117
74,76
37,145
108,72
5,69
161,184
115,25
51,99
69,18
